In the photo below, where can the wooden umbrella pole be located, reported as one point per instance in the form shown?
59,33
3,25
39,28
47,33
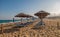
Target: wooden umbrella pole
27,19
2,29
41,20
21,20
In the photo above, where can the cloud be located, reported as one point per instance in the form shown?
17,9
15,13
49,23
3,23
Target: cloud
56,9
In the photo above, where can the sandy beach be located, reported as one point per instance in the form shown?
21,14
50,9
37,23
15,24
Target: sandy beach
50,29
29,18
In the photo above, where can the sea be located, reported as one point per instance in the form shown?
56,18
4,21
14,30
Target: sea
6,21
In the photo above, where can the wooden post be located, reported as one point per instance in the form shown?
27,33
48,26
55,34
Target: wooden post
21,20
2,29
13,19
41,21
58,25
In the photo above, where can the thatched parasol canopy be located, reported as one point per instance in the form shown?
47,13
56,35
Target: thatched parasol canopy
22,15
41,14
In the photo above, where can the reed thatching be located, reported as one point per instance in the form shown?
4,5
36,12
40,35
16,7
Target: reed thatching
42,14
22,15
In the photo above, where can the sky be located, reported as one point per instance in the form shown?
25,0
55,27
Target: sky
10,8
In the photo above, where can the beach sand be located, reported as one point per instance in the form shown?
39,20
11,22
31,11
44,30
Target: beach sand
50,29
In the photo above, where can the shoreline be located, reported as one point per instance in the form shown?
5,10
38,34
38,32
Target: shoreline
10,22
8,25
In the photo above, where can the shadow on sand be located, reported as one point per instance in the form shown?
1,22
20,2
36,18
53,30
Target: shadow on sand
39,25
15,28
9,30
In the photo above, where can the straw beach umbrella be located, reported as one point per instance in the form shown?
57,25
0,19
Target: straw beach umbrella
41,14
22,15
